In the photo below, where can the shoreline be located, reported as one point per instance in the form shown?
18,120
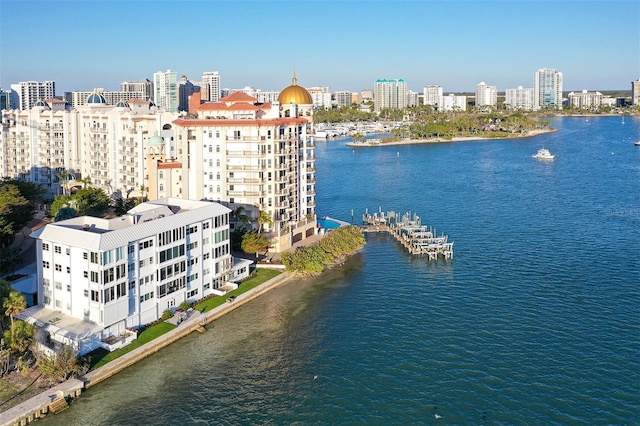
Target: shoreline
530,134
38,405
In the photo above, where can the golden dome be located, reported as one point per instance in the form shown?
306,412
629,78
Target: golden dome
295,93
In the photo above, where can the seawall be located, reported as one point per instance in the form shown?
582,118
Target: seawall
40,405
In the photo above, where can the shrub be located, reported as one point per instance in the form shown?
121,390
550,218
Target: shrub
168,313
184,305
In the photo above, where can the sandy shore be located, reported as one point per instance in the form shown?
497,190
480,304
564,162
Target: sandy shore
530,134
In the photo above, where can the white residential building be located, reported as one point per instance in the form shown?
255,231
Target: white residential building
519,99
585,99
486,95
344,98
27,93
144,86
321,96
210,86
77,99
547,89
99,278
165,86
635,92
453,102
432,95
390,94
238,151
413,98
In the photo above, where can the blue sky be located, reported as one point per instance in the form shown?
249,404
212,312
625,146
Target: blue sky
345,45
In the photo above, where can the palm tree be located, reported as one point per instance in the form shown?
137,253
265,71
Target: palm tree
64,176
239,215
263,219
13,305
85,181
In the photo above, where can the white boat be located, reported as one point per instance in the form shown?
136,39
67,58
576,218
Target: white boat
637,143
544,154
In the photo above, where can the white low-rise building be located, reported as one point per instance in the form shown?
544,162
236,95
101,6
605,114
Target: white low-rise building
100,278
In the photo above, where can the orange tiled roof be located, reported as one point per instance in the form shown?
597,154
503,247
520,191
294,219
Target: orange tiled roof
239,97
189,122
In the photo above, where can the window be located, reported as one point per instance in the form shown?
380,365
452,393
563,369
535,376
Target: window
85,274
85,256
95,296
57,249
58,285
45,264
45,246
68,251
94,257
86,293
68,269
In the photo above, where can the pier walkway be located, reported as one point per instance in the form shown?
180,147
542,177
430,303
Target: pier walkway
419,240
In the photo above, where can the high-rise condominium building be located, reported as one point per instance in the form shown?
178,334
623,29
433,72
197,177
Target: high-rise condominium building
547,89
585,99
390,94
185,89
238,151
344,98
486,95
144,86
76,99
321,96
210,86
519,99
165,87
6,100
29,92
432,95
635,92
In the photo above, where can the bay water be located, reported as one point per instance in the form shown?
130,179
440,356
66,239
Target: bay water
535,321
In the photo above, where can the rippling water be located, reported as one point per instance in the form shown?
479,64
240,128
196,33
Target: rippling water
535,321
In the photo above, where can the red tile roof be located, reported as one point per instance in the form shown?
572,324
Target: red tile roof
239,97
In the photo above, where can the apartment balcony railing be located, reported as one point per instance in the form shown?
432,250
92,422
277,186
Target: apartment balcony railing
311,203
233,139
246,167
311,169
246,193
243,154
246,180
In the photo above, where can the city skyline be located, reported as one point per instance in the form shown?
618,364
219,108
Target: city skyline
343,45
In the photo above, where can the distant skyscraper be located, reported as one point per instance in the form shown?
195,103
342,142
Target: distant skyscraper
145,87
547,89
635,92
5,100
185,89
486,95
412,98
321,96
30,92
210,86
432,95
165,87
390,94
344,98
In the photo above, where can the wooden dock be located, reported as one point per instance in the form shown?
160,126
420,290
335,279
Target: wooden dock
419,240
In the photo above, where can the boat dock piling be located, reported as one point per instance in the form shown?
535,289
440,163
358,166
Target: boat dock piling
408,230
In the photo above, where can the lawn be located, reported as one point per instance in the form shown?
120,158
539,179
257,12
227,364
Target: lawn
261,276
100,357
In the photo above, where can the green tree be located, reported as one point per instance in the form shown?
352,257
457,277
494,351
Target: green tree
10,257
123,205
62,366
85,181
30,190
15,212
253,242
86,202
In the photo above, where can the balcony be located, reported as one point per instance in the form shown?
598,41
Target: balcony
246,167
246,180
245,154
246,193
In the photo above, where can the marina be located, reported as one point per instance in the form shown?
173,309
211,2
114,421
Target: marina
418,239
